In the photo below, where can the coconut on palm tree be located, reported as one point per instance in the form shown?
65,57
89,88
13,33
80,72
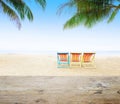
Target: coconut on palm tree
17,10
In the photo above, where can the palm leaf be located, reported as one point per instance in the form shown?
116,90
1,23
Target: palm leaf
74,21
11,13
114,13
41,3
22,9
18,10
93,11
69,5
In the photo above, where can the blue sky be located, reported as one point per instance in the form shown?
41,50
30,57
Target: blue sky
46,33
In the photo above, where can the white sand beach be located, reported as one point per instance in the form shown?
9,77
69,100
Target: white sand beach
46,65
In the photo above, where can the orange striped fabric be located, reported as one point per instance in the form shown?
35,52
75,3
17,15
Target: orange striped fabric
63,57
75,57
87,57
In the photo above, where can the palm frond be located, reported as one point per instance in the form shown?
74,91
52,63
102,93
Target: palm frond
41,3
69,5
114,13
18,9
74,21
93,12
11,13
21,8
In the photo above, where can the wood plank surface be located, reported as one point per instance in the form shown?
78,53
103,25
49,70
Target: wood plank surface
59,90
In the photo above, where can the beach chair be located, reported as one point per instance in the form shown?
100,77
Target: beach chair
63,60
88,60
75,60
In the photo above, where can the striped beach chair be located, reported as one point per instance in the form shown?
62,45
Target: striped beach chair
75,60
63,60
88,60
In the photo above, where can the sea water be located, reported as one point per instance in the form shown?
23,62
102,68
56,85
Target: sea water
50,52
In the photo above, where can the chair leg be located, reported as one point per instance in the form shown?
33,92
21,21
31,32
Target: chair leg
88,65
73,65
63,65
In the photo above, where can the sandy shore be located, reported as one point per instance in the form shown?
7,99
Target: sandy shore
46,65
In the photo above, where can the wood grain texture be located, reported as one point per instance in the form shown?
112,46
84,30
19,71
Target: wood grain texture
59,90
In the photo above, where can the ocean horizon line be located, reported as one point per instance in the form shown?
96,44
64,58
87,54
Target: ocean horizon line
52,52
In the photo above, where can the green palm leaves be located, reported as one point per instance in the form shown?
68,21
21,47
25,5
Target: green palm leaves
86,12
90,12
17,10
